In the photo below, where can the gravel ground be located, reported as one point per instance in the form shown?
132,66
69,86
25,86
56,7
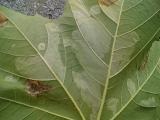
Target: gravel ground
47,8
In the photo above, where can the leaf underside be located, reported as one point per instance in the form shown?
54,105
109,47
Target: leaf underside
102,61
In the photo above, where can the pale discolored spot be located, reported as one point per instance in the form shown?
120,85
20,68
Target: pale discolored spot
41,46
13,45
112,105
131,86
10,78
95,10
150,102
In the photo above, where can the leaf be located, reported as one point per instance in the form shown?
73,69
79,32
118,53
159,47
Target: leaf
16,103
145,105
94,52
92,23
126,89
38,63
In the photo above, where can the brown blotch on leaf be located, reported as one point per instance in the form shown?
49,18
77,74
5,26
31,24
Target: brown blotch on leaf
107,2
144,63
3,19
36,88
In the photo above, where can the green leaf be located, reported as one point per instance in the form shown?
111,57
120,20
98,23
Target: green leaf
101,56
16,103
127,88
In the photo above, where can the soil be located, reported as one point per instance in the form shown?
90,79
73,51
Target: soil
47,8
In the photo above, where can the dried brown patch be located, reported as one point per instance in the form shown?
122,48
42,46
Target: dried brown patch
144,63
107,2
3,19
36,88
